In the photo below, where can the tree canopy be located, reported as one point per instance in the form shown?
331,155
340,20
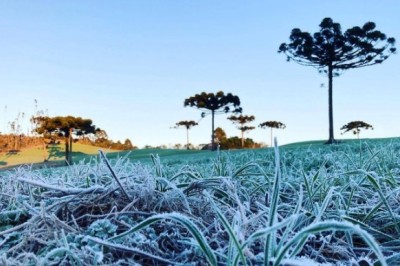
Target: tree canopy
188,125
272,124
219,134
331,51
214,104
65,126
356,126
233,142
240,121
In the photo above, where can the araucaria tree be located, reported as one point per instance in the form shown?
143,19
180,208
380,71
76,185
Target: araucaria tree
356,126
214,104
188,125
240,121
272,125
332,52
66,126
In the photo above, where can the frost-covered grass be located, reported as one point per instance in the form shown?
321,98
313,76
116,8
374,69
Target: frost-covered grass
323,205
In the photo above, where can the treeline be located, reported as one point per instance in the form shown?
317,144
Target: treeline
226,143
15,143
236,143
108,144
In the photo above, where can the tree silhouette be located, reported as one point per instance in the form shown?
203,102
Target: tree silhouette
272,125
240,121
128,145
188,125
332,52
214,104
219,134
356,126
65,126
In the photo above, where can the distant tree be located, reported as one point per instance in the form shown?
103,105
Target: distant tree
240,121
332,52
66,126
272,125
128,145
100,134
356,126
188,125
219,134
236,143
162,146
178,146
214,104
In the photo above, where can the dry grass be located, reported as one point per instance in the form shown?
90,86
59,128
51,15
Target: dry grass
54,155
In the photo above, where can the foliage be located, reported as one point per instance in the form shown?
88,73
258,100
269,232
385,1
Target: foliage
109,144
187,124
66,126
219,134
356,126
226,143
11,142
272,124
241,120
331,51
214,104
329,205
236,143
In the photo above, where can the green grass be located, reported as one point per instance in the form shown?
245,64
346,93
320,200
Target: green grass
32,155
321,143
54,153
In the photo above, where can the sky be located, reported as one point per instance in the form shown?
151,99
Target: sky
129,65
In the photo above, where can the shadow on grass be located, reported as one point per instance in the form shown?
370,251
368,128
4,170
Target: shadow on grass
55,152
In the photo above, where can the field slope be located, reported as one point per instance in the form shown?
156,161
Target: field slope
54,153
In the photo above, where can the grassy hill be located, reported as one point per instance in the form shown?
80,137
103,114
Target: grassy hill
55,153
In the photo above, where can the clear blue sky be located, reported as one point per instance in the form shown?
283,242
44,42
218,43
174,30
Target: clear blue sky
129,65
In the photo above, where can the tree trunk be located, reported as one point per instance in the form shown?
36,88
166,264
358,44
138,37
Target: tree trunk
187,138
66,138
271,137
331,139
242,138
45,159
212,130
70,147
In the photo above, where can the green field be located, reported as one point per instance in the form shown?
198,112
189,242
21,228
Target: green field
55,153
301,204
